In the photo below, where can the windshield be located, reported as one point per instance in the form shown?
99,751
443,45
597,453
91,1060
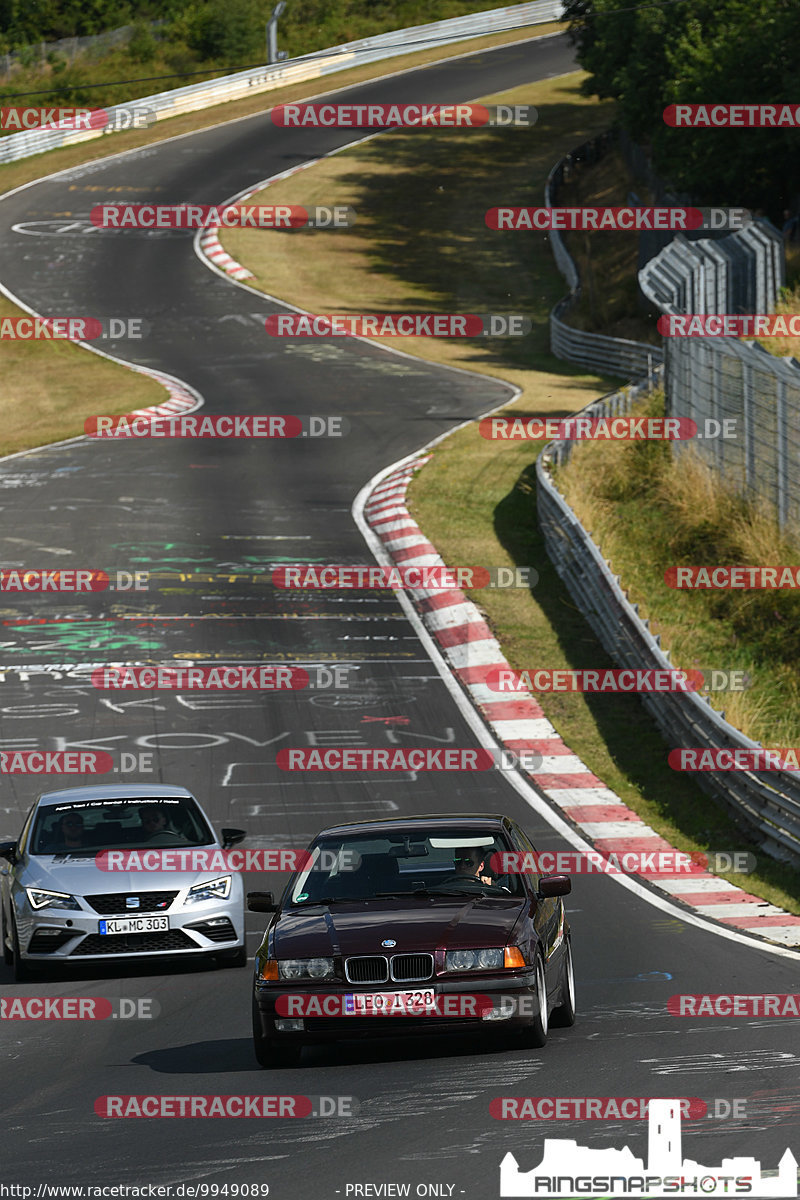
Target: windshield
131,824
448,862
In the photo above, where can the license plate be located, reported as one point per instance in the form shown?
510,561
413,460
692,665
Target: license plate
134,925
388,1004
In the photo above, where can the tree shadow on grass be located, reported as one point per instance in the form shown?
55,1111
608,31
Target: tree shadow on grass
629,733
426,203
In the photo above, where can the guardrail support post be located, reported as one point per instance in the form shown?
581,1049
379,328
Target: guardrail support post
272,32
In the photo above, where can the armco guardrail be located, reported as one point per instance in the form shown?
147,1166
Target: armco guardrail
297,70
768,805
609,355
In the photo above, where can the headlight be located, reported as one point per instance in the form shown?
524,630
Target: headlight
305,968
214,889
37,898
473,960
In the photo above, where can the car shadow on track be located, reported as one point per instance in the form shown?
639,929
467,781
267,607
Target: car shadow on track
236,1054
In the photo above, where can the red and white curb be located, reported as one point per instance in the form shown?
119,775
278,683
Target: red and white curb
469,648
181,399
213,250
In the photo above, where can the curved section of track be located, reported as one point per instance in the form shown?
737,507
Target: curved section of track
206,519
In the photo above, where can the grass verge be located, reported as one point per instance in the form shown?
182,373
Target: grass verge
420,243
49,388
649,510
476,499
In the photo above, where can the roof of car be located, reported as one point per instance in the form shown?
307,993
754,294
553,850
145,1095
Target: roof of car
113,791
437,821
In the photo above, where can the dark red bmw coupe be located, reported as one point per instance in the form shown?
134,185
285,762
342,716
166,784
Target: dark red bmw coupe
405,927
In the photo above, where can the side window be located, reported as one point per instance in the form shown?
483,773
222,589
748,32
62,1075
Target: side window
521,843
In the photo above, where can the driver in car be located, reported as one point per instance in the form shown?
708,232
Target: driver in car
154,822
471,862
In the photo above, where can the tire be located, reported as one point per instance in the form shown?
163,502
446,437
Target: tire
564,1016
22,972
234,958
535,1034
271,1054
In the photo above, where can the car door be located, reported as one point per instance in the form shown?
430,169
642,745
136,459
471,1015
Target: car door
548,919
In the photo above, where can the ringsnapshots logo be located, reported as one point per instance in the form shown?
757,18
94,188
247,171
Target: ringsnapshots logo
445,325
633,219
403,116
229,216
224,425
568,1169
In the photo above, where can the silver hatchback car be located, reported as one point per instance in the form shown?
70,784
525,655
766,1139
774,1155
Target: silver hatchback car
58,905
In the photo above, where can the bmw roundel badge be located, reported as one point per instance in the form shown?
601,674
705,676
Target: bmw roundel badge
388,943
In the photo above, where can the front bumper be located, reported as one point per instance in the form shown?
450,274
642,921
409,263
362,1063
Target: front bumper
514,996
59,936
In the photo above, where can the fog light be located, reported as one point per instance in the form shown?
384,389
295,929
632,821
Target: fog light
502,1013
282,1025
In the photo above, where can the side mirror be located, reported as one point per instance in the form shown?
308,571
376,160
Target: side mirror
262,902
554,885
232,837
8,851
